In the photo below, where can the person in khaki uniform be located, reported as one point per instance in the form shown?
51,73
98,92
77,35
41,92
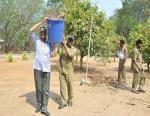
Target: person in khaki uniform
122,54
66,72
138,78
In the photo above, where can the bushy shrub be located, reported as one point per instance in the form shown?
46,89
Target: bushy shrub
10,57
24,56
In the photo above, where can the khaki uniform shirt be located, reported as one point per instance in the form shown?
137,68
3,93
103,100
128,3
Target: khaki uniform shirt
66,60
137,58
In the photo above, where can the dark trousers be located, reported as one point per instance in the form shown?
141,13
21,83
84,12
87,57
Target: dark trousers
42,83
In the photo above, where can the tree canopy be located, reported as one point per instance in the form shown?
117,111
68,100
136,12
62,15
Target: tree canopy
130,22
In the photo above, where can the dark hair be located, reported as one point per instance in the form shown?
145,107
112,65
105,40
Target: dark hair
70,39
43,29
122,41
61,17
139,42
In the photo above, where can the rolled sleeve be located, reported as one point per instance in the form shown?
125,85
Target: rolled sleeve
134,56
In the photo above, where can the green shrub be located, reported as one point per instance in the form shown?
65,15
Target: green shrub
10,57
24,56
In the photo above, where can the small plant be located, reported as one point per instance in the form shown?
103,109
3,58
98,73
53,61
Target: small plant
24,56
10,57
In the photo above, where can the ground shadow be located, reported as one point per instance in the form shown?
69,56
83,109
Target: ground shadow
121,87
31,98
55,97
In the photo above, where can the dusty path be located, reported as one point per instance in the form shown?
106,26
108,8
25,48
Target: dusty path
17,97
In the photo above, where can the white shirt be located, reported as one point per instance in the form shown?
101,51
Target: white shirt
121,54
42,54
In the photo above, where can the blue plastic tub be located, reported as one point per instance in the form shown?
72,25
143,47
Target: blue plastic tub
55,30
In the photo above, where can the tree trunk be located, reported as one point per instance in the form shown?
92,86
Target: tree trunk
148,67
6,49
81,62
114,59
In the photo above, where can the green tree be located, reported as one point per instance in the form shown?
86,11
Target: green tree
54,2
15,18
54,7
132,13
141,31
77,23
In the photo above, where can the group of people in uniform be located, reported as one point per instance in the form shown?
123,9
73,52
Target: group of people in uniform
137,66
42,68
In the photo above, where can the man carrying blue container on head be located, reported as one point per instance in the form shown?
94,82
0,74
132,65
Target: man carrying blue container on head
41,67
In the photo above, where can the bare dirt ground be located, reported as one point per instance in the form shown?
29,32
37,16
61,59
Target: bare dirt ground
17,96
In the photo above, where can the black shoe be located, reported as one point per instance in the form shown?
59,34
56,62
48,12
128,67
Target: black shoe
141,91
38,109
46,113
70,103
62,106
136,92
